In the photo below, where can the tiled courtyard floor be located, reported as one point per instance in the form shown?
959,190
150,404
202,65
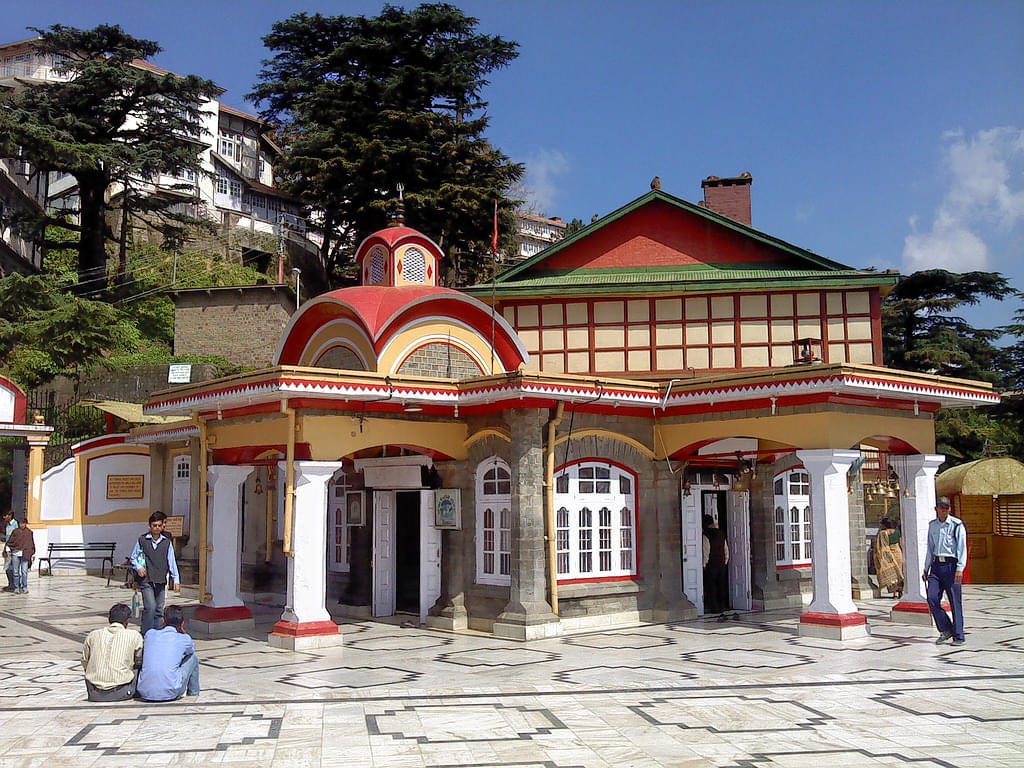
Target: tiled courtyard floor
701,693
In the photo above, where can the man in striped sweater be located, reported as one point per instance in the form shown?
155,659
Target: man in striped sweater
111,657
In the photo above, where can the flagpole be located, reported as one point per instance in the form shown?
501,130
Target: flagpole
494,282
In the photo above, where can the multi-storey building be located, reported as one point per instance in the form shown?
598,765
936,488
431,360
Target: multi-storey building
235,187
535,233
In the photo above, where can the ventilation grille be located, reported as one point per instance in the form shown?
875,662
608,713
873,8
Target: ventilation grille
377,266
415,269
1010,515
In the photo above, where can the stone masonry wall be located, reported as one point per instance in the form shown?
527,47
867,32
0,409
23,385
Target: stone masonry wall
243,331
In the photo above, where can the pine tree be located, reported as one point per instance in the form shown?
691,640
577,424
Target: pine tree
114,123
368,103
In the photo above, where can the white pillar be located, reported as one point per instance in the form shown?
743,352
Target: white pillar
305,622
916,511
225,532
224,613
832,612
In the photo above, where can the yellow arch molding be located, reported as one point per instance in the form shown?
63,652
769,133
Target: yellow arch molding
502,434
598,432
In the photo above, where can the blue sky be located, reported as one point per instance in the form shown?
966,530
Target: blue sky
878,134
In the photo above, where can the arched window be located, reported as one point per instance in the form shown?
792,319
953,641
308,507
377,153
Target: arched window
415,268
493,522
792,494
595,521
378,265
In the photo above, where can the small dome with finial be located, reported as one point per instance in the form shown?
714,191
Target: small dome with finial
398,255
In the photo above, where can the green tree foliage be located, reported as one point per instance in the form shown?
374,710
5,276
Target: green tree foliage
114,124
45,332
922,333
368,103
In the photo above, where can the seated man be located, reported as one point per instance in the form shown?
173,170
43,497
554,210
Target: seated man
170,666
111,657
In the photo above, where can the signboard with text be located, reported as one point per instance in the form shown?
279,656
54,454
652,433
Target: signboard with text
174,526
126,486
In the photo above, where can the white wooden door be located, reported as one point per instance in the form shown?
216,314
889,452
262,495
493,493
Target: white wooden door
337,530
738,524
430,555
181,487
693,556
383,553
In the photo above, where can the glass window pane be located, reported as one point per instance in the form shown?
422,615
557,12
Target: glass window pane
625,485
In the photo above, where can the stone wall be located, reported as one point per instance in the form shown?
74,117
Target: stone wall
242,325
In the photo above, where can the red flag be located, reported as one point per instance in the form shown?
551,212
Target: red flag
494,241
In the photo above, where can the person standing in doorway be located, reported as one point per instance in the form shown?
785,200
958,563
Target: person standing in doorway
7,527
153,561
716,572
944,564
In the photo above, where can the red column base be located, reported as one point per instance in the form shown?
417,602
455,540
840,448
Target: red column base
833,619
305,628
916,607
209,614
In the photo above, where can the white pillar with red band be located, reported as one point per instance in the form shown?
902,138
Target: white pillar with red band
916,512
832,613
305,622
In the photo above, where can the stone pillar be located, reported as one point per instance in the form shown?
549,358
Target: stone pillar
832,613
224,613
916,511
528,614
862,587
305,622
449,612
34,496
670,603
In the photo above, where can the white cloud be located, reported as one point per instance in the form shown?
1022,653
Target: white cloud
543,171
985,197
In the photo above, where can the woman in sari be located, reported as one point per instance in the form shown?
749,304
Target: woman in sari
889,558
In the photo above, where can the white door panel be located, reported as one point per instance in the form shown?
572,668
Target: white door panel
383,553
693,555
430,555
738,523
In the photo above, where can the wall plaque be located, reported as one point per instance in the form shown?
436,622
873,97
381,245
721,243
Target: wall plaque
126,486
174,526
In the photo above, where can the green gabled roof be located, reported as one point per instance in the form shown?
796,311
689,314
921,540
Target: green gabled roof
694,276
648,280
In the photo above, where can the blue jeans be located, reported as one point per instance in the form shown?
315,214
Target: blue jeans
942,579
152,605
189,671
19,566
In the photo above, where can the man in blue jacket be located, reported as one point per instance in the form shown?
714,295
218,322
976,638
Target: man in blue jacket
170,667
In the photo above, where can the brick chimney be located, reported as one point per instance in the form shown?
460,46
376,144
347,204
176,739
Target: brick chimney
729,197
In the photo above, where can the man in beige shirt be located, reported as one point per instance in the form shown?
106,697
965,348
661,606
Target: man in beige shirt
111,658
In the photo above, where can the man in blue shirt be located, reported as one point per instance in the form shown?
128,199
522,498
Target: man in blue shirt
944,564
153,560
170,667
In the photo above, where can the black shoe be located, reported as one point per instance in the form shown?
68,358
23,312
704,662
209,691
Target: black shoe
9,589
723,617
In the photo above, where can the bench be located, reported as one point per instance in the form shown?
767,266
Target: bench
96,550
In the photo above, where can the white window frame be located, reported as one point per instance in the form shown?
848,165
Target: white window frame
337,526
493,503
791,518
592,545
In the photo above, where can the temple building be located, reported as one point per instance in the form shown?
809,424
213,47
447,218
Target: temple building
541,464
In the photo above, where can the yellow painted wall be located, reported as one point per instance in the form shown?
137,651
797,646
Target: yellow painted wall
333,436
811,430
1008,559
399,347
340,330
982,569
